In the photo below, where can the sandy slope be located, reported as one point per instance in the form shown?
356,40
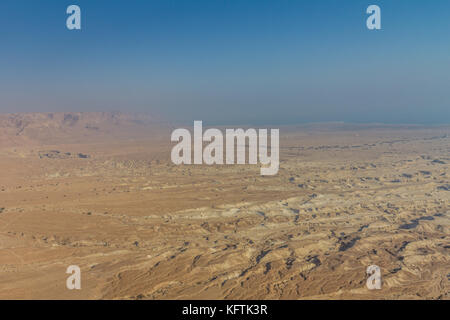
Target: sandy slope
142,228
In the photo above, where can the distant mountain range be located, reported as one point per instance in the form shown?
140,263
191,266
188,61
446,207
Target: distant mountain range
70,127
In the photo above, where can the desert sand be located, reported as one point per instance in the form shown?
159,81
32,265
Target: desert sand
98,190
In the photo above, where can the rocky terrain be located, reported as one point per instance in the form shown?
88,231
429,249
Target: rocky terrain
99,191
71,127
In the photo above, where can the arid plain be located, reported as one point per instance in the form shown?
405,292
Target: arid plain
98,190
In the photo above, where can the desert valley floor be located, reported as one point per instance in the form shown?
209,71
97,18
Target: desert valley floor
99,191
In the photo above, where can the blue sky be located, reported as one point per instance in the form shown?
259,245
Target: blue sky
230,62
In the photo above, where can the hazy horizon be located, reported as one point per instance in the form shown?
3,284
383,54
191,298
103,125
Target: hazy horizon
230,62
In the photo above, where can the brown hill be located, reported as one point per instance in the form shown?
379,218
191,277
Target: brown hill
70,127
